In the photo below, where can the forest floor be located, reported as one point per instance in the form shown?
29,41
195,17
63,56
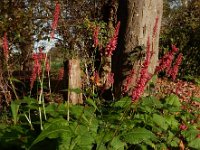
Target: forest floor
185,90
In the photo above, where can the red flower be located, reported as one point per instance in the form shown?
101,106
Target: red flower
198,136
55,19
36,70
174,70
48,66
183,127
111,46
61,73
166,61
95,36
155,28
110,78
5,47
128,81
144,75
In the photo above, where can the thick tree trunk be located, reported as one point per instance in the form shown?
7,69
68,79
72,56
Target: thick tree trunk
138,19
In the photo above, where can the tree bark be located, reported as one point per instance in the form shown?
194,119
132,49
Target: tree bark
74,82
138,19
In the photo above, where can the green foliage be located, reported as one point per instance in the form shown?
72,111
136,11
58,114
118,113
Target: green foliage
148,124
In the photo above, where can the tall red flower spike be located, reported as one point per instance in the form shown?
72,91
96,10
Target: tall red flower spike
155,28
61,74
36,69
5,47
166,61
111,46
144,75
174,69
128,81
55,19
95,36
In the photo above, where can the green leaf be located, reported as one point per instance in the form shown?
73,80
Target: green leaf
64,142
172,122
76,110
53,129
92,103
196,99
117,144
173,100
123,103
190,134
15,108
195,143
15,80
160,121
138,135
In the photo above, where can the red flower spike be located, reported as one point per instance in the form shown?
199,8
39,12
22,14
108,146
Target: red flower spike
111,46
144,75
55,19
110,78
155,28
174,70
95,36
61,74
166,61
48,66
5,47
128,81
35,72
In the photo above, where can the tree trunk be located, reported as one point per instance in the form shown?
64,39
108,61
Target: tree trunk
74,82
138,19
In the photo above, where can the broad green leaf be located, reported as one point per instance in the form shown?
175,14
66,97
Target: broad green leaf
103,137
172,122
76,110
54,129
64,142
123,102
84,139
195,143
150,104
117,144
138,135
190,134
173,100
160,121
92,103
14,108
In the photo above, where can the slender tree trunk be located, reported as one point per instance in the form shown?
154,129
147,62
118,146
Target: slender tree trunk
138,19
74,82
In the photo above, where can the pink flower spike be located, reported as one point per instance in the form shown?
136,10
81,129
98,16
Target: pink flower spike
155,28
95,36
110,78
5,47
111,46
48,66
55,19
174,48
175,68
61,74
128,81
144,75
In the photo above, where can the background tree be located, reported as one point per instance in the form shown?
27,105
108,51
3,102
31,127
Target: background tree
181,27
